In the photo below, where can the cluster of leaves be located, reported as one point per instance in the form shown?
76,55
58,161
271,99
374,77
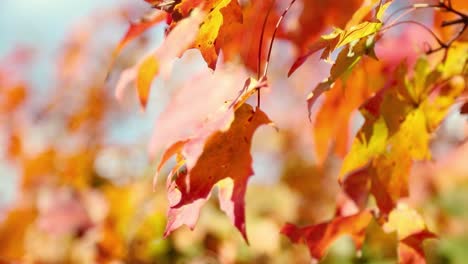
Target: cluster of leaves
209,125
399,117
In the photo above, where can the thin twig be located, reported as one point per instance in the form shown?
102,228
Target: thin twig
259,58
410,9
260,45
273,37
441,43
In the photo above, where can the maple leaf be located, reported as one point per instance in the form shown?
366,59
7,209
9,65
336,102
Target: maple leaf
217,27
137,28
381,164
355,31
397,130
339,104
210,158
411,232
453,72
243,39
326,13
410,250
189,109
345,62
319,237
160,60
209,129
357,39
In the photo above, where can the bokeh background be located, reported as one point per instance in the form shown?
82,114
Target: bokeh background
76,180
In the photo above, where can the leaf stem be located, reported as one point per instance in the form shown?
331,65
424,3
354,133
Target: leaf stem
410,9
415,23
260,44
454,22
274,35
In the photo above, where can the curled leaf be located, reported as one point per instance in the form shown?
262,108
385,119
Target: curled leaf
210,158
160,61
137,28
319,237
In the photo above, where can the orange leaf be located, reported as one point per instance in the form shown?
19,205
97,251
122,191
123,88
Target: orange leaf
137,28
210,158
178,40
244,39
217,24
386,177
325,14
188,110
319,237
146,72
338,106
218,27
411,231
410,250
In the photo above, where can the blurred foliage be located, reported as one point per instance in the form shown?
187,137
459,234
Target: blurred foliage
84,199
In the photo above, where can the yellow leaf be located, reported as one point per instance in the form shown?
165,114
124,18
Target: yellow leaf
365,148
221,12
147,71
413,136
456,60
405,221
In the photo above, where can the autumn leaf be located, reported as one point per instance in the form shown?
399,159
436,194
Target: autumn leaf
188,109
326,14
384,177
384,172
356,32
319,237
357,40
410,249
243,40
411,231
357,186
369,142
453,72
217,24
160,61
65,140
379,161
338,105
211,158
137,28
390,140
345,62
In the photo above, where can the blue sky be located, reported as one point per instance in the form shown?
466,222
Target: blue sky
42,23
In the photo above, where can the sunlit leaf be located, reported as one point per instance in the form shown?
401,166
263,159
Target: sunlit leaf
210,158
319,237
